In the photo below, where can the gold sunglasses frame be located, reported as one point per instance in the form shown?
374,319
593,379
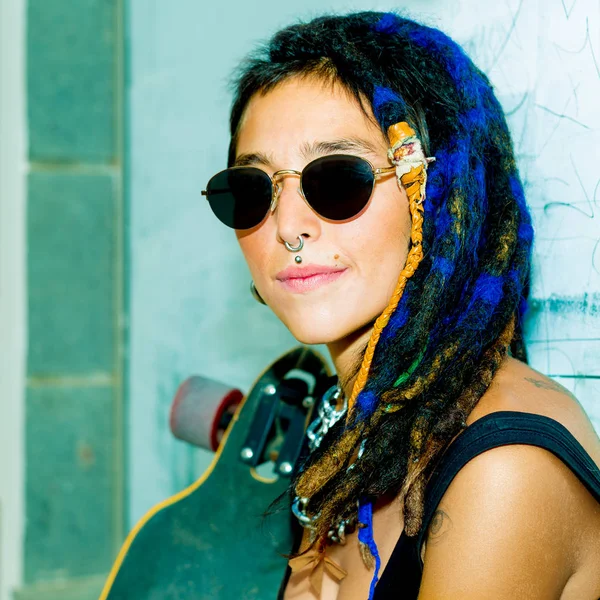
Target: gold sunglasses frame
276,188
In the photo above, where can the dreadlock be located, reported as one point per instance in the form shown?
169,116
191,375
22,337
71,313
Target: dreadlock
462,308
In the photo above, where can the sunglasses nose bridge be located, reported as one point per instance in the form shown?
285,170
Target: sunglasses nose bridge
275,192
277,186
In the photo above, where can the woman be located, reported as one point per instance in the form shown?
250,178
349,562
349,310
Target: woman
372,186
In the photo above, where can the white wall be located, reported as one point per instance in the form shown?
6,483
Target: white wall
190,308
543,58
12,291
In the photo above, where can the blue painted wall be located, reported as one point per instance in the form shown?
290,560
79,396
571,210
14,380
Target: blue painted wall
74,470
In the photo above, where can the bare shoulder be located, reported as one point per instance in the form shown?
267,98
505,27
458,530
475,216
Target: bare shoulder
522,497
519,511
518,387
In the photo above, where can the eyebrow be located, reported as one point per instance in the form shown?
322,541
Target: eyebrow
308,149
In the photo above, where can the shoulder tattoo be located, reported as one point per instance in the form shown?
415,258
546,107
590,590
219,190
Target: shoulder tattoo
549,385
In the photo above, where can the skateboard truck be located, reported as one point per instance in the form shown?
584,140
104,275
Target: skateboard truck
278,426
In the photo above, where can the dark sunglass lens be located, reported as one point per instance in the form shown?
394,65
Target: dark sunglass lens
240,196
338,187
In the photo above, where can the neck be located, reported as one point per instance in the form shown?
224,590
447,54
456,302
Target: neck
346,352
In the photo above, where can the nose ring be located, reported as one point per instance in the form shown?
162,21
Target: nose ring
295,248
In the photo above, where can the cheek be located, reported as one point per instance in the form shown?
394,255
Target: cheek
255,251
383,233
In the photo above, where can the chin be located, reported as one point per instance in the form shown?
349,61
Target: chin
312,336
325,322
310,330
321,328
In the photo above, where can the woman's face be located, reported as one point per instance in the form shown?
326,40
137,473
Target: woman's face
370,248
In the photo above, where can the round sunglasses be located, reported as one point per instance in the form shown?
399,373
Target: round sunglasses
337,187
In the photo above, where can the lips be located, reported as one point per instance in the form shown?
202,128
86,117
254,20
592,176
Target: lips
308,278
307,271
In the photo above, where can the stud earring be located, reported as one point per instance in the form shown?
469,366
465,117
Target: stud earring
255,293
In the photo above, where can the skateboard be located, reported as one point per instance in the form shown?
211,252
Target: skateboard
212,540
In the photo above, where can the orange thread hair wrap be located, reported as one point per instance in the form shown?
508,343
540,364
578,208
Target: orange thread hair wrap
411,163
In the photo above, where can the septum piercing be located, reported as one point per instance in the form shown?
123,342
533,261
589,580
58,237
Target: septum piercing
297,248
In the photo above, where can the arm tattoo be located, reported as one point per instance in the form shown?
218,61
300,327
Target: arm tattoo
550,385
439,526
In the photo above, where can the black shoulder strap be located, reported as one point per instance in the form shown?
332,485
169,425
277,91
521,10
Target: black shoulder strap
504,428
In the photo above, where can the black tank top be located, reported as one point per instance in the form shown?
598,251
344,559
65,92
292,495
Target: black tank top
401,577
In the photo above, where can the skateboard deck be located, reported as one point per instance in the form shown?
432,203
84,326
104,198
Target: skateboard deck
211,539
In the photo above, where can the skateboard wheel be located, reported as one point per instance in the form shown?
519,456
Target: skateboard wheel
201,411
